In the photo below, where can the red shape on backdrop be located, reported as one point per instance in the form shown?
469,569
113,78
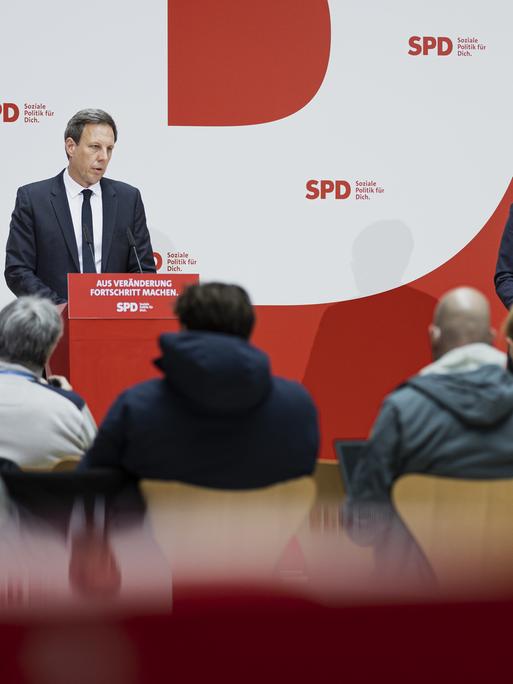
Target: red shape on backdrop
363,349
316,342
475,264
240,62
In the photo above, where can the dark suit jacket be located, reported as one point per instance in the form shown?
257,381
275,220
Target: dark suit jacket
42,249
504,269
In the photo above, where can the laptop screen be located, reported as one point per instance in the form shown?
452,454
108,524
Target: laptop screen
348,453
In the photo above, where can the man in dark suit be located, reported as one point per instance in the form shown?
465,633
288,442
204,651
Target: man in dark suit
77,221
504,270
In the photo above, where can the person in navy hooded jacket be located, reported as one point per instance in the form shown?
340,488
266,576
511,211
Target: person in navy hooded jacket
218,417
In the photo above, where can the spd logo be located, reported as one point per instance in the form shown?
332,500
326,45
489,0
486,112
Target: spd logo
123,307
339,189
158,261
424,45
9,112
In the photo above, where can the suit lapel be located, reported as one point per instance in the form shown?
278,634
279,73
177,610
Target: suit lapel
110,207
60,205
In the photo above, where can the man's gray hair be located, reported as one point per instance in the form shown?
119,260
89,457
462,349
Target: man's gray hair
77,123
29,329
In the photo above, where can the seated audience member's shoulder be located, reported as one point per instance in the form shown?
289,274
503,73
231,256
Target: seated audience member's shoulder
293,392
67,394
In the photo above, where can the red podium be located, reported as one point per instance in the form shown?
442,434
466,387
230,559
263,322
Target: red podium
111,327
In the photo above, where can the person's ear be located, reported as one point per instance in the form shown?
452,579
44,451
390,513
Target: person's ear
492,334
70,146
434,334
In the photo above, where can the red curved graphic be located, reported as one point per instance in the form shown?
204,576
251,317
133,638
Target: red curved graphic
475,264
362,350
239,62
351,354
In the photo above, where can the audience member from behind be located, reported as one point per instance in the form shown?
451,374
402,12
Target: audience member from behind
455,418
41,423
217,418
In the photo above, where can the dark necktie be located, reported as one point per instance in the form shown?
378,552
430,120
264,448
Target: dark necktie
88,265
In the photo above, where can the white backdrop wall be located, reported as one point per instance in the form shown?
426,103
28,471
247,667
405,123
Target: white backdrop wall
433,131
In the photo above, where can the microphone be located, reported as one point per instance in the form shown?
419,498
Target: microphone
87,235
131,242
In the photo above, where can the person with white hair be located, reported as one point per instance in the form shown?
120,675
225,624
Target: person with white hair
40,423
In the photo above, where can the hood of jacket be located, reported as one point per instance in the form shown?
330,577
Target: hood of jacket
215,373
479,398
469,357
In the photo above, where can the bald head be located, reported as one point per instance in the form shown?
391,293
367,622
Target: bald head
461,317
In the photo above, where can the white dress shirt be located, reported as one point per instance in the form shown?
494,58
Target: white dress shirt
75,199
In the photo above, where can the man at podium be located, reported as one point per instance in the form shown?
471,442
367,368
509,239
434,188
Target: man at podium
79,221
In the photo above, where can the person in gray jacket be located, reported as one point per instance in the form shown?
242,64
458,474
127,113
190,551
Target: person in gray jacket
455,418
